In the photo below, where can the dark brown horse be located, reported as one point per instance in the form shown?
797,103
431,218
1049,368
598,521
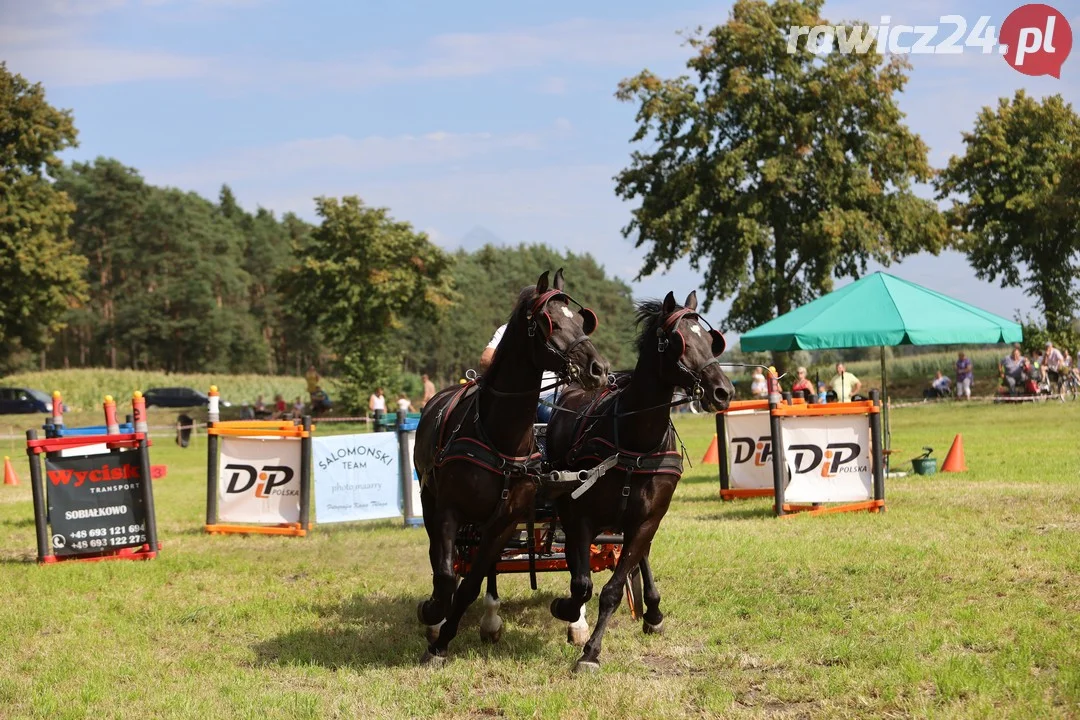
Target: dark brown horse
476,454
675,350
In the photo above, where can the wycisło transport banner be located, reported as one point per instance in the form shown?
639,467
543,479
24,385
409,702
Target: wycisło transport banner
95,502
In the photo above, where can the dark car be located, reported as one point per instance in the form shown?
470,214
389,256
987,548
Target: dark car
175,397
24,400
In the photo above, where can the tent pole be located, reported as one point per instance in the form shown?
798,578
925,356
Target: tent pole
885,402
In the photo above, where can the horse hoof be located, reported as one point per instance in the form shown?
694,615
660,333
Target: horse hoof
586,667
577,636
650,629
491,636
432,660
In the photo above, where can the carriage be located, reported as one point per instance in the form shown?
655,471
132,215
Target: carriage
539,545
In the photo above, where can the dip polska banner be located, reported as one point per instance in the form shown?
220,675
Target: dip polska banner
749,449
259,480
356,477
95,503
828,458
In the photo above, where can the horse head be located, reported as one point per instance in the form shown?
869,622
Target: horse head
560,333
689,350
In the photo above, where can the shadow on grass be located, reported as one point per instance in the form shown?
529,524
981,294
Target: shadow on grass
382,631
740,513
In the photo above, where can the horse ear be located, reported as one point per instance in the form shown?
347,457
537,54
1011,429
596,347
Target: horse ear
542,283
558,282
669,303
691,300
588,321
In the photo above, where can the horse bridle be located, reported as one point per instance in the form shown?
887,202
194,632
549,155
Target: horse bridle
670,328
540,323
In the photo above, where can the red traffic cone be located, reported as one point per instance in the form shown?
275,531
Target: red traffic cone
954,461
712,455
9,472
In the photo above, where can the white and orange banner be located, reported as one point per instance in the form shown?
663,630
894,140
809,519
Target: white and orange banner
259,480
828,458
749,449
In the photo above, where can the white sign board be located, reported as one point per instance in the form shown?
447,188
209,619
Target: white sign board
414,481
828,458
356,477
259,480
749,449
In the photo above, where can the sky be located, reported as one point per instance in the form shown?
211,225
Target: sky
474,121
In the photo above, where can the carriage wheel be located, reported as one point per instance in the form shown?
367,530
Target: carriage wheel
635,595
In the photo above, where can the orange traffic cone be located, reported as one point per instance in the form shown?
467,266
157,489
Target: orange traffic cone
954,461
712,455
9,472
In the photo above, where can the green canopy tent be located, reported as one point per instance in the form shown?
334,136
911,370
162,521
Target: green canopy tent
879,310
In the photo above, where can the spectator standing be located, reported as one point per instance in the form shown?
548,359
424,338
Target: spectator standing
759,388
965,374
312,378
844,384
429,390
404,403
377,406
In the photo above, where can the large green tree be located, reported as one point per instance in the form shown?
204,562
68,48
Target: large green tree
775,171
42,275
1016,200
359,276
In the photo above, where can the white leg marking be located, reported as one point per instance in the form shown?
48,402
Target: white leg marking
577,632
491,623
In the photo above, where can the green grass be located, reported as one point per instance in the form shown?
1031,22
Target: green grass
961,601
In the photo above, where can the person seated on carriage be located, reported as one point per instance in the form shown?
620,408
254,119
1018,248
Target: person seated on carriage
939,388
549,382
1014,371
802,387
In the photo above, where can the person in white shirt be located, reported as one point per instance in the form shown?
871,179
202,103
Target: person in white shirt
377,405
404,403
549,382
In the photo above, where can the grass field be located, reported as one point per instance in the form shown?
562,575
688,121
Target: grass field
963,600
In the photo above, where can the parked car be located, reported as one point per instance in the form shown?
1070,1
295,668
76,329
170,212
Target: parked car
175,397
24,400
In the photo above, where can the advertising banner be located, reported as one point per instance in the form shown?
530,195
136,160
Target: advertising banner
356,477
828,458
259,480
95,503
749,449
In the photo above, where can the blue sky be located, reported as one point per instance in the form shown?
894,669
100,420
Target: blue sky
467,119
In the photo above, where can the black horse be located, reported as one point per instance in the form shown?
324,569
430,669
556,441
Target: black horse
476,453
631,418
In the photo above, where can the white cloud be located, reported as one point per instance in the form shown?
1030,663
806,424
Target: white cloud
85,66
351,156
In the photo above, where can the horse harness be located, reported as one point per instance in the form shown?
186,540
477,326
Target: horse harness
661,460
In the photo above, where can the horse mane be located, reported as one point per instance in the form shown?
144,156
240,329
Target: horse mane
649,315
517,317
